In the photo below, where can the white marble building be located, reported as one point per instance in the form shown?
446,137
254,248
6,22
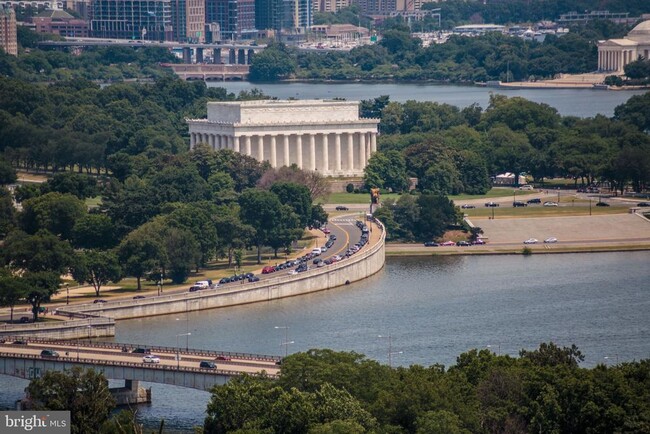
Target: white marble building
320,135
614,54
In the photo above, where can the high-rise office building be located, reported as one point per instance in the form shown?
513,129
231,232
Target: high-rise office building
236,18
269,14
132,19
291,16
297,15
376,6
8,39
188,20
330,5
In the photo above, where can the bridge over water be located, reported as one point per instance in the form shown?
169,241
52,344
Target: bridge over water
178,367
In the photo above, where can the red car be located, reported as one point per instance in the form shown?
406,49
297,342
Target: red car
325,231
268,270
448,243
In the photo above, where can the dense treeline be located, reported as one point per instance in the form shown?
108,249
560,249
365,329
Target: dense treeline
454,151
398,56
541,391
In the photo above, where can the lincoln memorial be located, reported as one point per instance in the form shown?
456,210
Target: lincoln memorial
319,135
614,54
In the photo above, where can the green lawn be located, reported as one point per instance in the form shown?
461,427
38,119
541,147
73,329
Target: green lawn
352,198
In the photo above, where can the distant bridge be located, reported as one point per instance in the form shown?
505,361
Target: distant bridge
209,72
177,367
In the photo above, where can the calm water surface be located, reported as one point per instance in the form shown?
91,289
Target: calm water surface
433,308
568,102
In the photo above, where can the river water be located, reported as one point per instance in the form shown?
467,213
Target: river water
434,308
568,102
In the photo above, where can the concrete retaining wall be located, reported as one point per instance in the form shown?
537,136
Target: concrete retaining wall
358,267
87,328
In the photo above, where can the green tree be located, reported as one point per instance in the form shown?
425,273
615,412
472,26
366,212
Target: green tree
297,197
55,212
42,285
94,231
261,210
40,252
436,213
79,185
386,170
12,290
183,252
141,252
7,173
271,64
7,212
96,268
84,393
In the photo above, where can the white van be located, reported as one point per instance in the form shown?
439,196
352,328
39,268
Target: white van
204,284
316,251
526,187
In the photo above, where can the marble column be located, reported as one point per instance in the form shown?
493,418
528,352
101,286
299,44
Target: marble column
350,152
235,144
299,150
274,153
312,152
373,142
337,152
260,148
219,141
247,145
362,150
326,159
192,140
285,145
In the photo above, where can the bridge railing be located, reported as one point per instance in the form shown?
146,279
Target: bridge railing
194,352
74,360
82,320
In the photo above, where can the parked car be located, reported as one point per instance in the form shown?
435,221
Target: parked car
491,204
468,206
479,241
463,244
534,200
518,203
268,270
531,241
99,300
448,243
195,288
150,358
431,244
526,187
24,319
643,204
207,364
551,204
253,279
551,240
602,204
342,208
49,354
138,297
325,230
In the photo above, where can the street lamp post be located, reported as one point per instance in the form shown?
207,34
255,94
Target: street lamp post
67,293
498,348
286,341
589,206
390,349
178,349
187,328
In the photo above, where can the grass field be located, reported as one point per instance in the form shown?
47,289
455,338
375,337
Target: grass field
355,198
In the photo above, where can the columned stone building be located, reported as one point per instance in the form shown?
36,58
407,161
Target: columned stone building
319,135
614,54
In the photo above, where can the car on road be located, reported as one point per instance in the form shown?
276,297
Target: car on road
431,244
479,242
550,240
325,230
268,270
463,244
491,204
643,204
207,364
448,243
531,241
24,319
602,204
534,200
253,279
138,297
342,208
225,358
468,206
526,187
49,353
99,300
150,358
519,203
20,342
141,350
551,204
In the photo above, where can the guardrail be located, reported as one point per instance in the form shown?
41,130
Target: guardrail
69,359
